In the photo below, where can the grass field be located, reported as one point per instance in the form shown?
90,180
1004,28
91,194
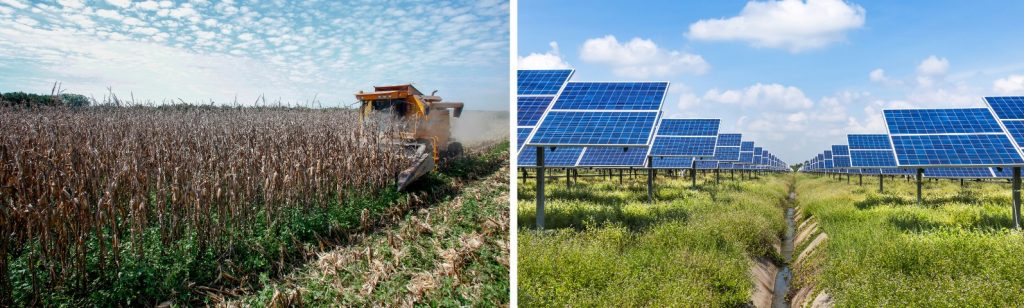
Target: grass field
956,249
605,246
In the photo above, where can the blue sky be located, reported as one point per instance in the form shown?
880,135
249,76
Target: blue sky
288,50
795,76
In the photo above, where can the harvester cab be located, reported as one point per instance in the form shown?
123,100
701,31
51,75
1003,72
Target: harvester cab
429,135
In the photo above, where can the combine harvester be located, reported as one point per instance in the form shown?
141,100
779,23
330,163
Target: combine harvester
428,138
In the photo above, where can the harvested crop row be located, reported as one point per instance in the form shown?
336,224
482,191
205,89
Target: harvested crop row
93,198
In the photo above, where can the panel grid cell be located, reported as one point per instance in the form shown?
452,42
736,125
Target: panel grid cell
541,82
949,150
958,173
683,146
521,134
869,142
872,158
727,153
841,161
1007,107
688,127
612,96
841,150
614,157
1016,130
707,164
940,121
746,158
730,140
747,146
672,162
595,128
559,157
529,109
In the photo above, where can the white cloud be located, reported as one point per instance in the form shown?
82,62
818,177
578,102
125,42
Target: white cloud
120,3
795,25
1011,85
71,4
112,14
149,5
878,75
15,4
245,36
770,96
933,66
551,59
641,58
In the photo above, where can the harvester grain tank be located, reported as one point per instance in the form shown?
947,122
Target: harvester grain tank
429,137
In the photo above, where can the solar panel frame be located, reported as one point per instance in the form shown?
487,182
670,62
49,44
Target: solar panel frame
958,173
561,157
540,93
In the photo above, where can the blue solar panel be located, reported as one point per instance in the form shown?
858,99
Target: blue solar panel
841,150
747,146
951,150
530,108
828,164
683,146
958,173
869,171
560,157
872,158
595,128
1007,107
613,157
521,134
688,127
727,153
940,121
729,140
676,162
707,164
1016,130
869,142
541,82
758,151
746,158
828,154
1002,172
612,96
841,161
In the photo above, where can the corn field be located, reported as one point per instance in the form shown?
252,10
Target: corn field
83,189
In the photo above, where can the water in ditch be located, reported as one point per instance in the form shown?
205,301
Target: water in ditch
784,276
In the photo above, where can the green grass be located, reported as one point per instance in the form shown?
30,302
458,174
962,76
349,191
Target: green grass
956,249
605,246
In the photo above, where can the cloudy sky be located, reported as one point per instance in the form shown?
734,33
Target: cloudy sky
288,50
795,76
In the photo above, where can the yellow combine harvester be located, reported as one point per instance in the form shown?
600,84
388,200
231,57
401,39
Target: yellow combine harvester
429,137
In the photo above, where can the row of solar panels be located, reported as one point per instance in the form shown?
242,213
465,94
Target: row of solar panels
954,143
620,124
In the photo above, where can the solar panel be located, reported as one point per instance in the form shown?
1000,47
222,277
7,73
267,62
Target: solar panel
521,134
672,162
898,171
707,164
746,158
560,157
613,157
1016,130
941,121
541,82
1007,107
727,153
872,158
730,140
828,154
841,150
530,108
726,165
869,142
612,96
958,173
955,150
1002,172
688,127
841,162
610,128
683,146
747,146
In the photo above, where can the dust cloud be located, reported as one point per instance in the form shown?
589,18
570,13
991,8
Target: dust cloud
477,127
